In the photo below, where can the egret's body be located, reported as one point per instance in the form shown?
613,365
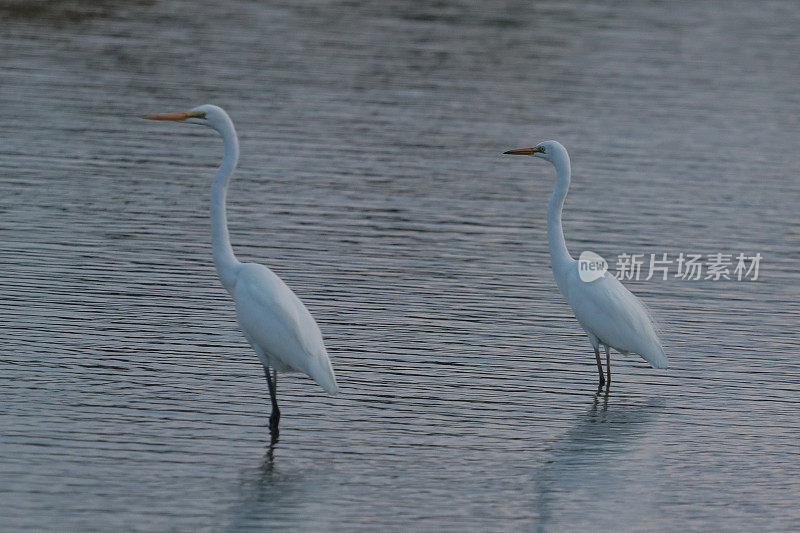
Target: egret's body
608,312
274,321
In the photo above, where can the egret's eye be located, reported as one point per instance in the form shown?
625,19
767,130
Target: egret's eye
542,149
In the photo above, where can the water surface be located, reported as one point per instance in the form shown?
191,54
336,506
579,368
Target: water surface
371,181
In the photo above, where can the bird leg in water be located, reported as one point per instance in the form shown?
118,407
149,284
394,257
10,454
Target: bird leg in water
608,365
599,368
275,417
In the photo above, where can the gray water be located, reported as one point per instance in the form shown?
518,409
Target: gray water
371,181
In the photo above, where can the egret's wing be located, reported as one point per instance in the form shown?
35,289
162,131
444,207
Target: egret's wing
612,313
277,323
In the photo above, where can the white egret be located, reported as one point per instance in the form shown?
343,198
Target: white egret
274,321
608,312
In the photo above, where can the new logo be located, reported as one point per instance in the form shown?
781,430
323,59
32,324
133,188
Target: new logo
591,266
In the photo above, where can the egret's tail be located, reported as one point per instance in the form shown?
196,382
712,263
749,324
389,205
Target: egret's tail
652,351
656,357
321,371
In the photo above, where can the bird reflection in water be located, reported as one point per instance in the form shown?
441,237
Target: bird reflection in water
603,460
261,491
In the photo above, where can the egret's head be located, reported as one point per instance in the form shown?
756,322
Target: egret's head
549,150
207,115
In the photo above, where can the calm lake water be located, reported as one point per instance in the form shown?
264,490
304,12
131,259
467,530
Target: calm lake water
371,181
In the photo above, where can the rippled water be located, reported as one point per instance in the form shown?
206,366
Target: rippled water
371,180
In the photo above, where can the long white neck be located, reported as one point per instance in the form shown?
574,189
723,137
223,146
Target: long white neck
559,255
224,260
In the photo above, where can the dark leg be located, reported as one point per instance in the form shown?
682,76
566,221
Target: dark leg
599,368
608,365
275,417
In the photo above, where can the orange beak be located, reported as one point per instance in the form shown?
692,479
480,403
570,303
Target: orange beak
179,117
523,151
168,116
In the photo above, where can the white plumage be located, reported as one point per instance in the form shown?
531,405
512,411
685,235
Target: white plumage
608,312
274,321
279,327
